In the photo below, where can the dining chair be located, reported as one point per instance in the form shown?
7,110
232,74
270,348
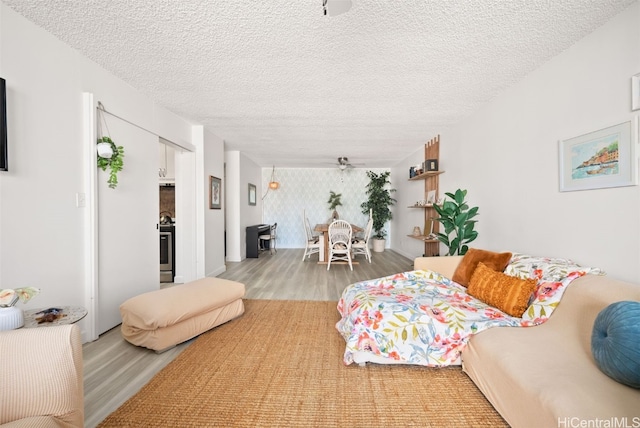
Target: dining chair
339,242
270,239
361,235
314,244
361,245
307,225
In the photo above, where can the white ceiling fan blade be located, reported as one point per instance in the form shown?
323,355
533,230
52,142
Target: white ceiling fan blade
337,7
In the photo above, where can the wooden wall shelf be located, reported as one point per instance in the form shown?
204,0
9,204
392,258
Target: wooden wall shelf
431,181
423,238
425,175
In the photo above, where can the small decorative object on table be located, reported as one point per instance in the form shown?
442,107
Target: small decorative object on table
59,315
49,315
12,317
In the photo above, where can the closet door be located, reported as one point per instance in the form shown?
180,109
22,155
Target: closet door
128,238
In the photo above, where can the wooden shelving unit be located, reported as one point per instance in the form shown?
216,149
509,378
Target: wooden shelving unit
424,175
423,238
431,182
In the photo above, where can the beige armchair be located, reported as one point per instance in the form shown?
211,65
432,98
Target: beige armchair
41,377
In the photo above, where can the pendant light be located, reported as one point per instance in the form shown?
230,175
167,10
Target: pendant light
273,184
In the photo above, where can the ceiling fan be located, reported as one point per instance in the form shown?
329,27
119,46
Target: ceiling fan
343,163
336,7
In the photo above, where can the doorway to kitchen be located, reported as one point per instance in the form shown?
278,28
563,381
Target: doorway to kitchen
167,212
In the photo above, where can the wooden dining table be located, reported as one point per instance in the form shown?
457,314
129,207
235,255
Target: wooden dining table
323,228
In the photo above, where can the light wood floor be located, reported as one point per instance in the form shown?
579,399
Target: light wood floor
114,370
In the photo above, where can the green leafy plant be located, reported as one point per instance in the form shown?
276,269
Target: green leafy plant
379,201
456,217
334,200
114,163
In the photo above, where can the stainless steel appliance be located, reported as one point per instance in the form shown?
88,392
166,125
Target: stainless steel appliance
167,256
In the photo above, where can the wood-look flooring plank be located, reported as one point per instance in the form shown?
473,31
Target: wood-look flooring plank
114,370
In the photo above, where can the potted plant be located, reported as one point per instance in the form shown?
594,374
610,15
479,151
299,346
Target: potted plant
111,159
334,201
378,204
12,317
456,217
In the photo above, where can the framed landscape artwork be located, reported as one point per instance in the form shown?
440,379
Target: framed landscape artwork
599,159
215,192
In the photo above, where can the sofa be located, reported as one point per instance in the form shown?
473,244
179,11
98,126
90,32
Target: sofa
41,377
546,375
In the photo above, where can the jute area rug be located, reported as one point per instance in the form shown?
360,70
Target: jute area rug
280,364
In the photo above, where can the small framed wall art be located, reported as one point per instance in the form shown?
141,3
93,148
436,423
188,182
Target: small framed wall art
635,92
215,193
252,194
431,165
599,159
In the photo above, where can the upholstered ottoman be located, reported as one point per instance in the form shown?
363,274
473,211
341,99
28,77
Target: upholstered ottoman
161,319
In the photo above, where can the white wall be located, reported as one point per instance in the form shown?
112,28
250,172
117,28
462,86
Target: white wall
407,194
240,171
506,155
42,232
214,219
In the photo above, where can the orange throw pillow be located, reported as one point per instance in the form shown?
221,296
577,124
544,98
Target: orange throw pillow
468,264
507,293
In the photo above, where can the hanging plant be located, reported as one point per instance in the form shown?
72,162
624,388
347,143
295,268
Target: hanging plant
109,155
114,162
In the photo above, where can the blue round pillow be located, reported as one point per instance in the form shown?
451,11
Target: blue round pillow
615,342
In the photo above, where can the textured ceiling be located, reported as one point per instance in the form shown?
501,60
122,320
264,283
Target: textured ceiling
288,86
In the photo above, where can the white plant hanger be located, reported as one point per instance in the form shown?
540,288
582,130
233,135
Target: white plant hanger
104,148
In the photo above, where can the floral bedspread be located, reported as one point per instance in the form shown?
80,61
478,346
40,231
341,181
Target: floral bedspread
424,318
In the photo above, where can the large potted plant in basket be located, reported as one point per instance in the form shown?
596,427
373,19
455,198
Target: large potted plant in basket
378,204
456,218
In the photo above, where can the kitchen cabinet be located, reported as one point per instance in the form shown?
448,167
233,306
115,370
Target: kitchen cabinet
431,184
167,167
